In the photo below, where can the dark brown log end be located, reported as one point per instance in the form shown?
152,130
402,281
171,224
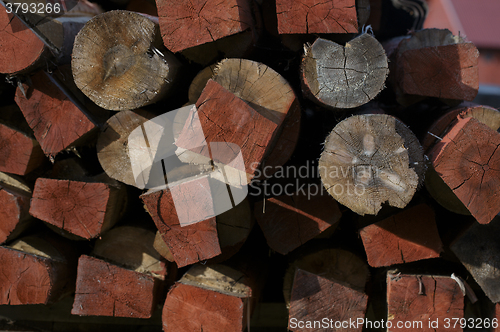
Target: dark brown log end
408,236
81,208
421,300
184,24
14,212
104,289
57,123
369,160
337,76
290,221
313,16
467,159
315,298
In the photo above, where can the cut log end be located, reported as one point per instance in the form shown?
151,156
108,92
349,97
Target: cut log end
113,52
379,160
337,76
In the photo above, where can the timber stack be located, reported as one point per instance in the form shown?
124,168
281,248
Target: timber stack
233,165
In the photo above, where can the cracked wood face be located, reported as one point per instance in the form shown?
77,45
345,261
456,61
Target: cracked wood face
119,62
422,298
337,76
105,289
185,24
316,16
265,91
57,123
468,161
369,160
21,48
81,208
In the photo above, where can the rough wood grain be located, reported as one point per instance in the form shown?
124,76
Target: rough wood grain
223,117
57,123
467,161
408,236
290,221
419,298
227,295
119,61
336,76
185,24
478,249
36,270
105,289
369,160
15,198
315,297
85,209
314,16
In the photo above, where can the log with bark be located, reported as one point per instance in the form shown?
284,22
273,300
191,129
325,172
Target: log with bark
120,63
370,159
336,76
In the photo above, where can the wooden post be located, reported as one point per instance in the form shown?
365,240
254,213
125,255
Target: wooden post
105,289
264,90
338,265
336,76
185,24
107,71
408,236
312,16
124,279
227,300
56,121
224,117
479,252
20,152
423,302
369,160
82,208
289,221
315,298
15,198
466,159
434,63
36,270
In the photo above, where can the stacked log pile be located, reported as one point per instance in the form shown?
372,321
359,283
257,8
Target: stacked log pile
241,165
